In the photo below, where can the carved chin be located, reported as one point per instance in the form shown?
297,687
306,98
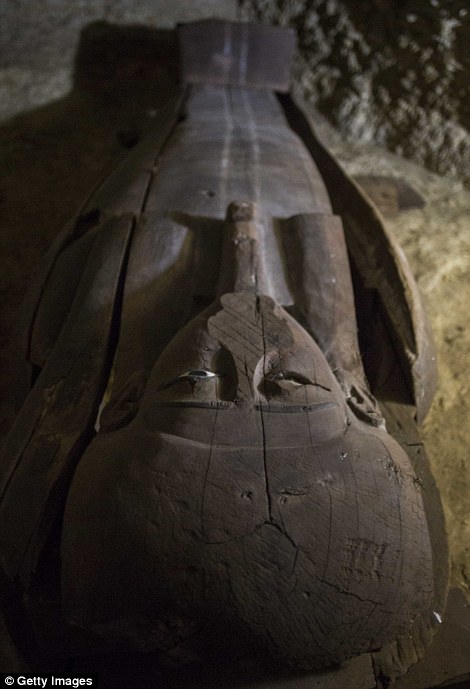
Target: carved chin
319,552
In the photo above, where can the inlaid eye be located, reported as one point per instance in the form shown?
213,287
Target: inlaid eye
198,375
289,380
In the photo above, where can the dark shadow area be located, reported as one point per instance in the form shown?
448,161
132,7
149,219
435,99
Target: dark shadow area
54,156
133,64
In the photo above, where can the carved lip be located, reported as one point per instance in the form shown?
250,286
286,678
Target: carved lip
276,408
199,404
272,407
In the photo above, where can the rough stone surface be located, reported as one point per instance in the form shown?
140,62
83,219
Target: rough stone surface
447,661
391,73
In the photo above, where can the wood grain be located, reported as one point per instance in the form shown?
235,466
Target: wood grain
222,440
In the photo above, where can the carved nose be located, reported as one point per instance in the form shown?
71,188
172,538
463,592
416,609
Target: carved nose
241,269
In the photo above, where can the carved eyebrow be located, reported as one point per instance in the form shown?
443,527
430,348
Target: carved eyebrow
198,375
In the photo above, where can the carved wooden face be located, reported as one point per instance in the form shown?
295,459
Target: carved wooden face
247,361
244,490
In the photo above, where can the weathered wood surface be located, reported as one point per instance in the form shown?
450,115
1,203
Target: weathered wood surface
447,661
202,436
382,265
219,52
401,379
233,672
57,419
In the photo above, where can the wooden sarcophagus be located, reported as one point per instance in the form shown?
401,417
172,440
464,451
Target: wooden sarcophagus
228,359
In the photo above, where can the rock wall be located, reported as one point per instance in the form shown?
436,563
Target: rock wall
390,72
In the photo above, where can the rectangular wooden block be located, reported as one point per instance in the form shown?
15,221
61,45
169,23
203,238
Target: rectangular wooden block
247,55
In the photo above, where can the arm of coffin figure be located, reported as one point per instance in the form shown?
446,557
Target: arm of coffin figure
380,267
51,291
319,277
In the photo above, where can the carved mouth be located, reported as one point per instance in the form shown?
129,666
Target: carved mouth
276,408
183,404
273,407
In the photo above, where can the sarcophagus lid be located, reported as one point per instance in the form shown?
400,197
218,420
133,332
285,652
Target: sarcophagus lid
235,54
227,354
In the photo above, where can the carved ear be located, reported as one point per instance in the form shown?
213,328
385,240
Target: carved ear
124,404
364,406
